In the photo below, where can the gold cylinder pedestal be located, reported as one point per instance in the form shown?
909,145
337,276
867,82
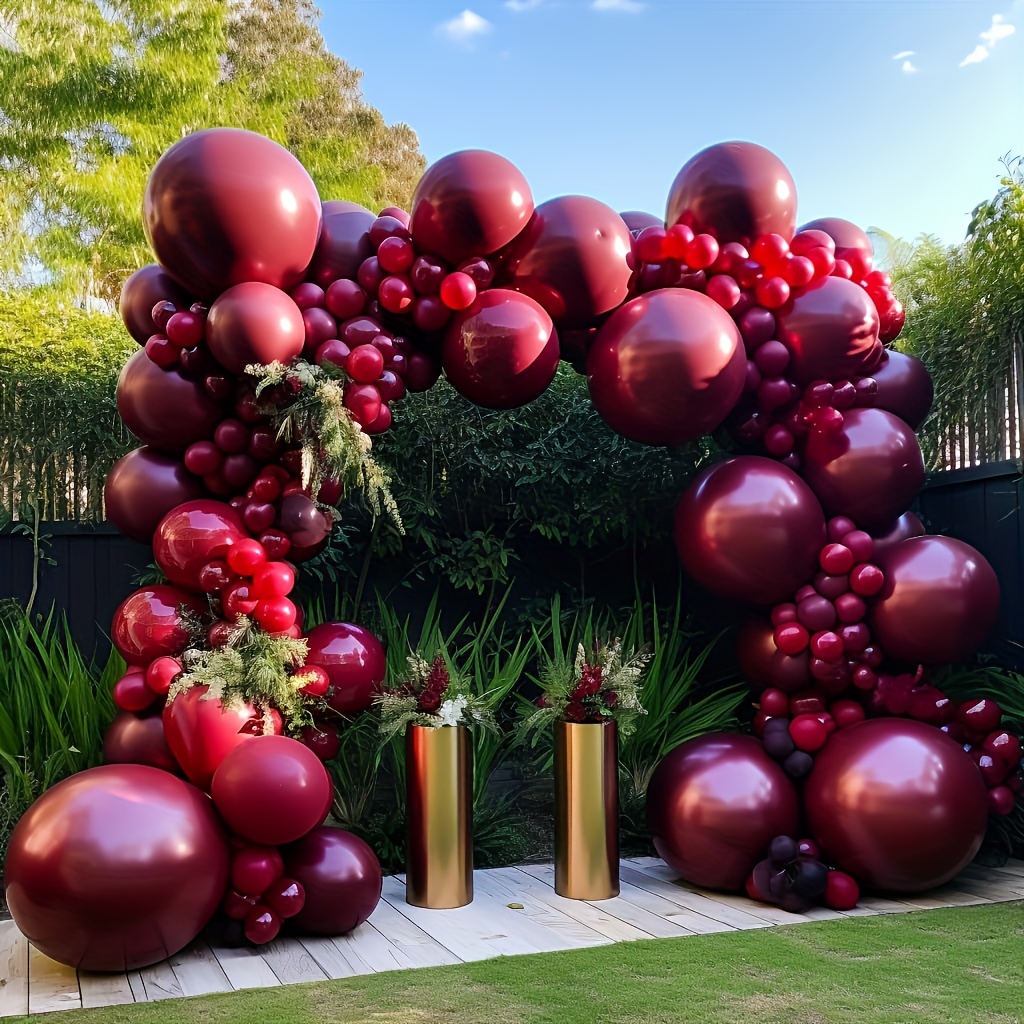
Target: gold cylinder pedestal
586,810
439,790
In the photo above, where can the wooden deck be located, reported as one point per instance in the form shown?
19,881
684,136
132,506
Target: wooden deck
516,911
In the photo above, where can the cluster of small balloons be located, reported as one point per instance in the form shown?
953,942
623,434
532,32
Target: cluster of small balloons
794,878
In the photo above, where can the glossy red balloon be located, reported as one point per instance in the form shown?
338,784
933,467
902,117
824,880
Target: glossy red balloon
116,868
148,624
571,258
904,388
502,352
223,206
342,879
870,469
254,323
141,292
162,408
637,220
354,660
750,529
908,525
344,242
737,191
192,535
763,664
143,487
852,243
667,367
831,330
939,603
897,804
272,791
138,739
306,526
470,203
713,806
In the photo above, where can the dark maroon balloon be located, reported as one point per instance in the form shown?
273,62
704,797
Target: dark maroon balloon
342,879
193,534
138,739
908,525
571,258
897,804
163,409
939,603
141,292
470,203
143,487
344,242
254,323
763,664
636,221
354,660
116,868
870,469
904,388
851,240
831,331
713,806
148,623
223,206
737,191
750,529
502,352
307,527
667,367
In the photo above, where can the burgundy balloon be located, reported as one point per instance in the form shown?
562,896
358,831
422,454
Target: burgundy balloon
148,623
667,367
571,258
162,408
223,206
354,660
254,323
831,331
904,388
870,469
138,739
502,352
637,220
897,804
750,529
344,242
850,239
939,603
141,292
342,879
192,535
470,203
763,664
737,191
308,528
908,525
116,868
143,487
713,806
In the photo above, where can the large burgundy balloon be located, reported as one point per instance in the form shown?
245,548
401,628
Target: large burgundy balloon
192,535
571,258
904,388
254,323
502,352
470,203
143,487
223,206
138,739
116,868
354,660
897,804
148,624
850,239
342,879
141,292
272,791
162,408
763,664
637,220
750,529
908,525
667,367
713,806
737,191
870,469
939,603
344,242
831,331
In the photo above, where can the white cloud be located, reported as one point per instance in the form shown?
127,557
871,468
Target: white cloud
626,6
976,56
522,5
903,54
465,28
999,30
908,68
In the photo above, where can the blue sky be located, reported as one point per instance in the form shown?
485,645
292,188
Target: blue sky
891,113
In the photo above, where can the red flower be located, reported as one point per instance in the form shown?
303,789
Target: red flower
611,698
542,702
575,711
438,678
590,679
429,701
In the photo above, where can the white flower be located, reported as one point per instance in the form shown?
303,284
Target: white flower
451,710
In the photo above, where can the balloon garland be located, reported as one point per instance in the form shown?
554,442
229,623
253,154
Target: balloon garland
279,332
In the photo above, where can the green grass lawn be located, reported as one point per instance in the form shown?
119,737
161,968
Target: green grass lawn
947,966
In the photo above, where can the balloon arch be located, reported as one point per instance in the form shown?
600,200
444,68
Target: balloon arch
277,333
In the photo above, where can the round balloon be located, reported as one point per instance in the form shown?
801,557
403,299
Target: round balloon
737,191
223,206
149,624
502,352
713,806
763,664
852,243
138,739
342,879
344,242
939,603
908,525
870,469
897,804
904,388
254,323
637,220
141,292
750,529
667,367
192,535
306,526
470,203
354,660
116,868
